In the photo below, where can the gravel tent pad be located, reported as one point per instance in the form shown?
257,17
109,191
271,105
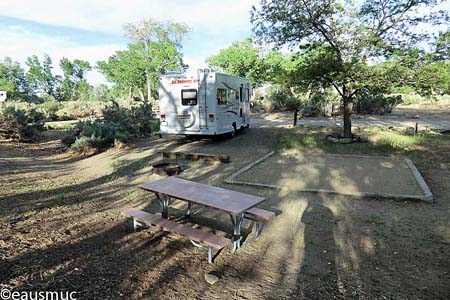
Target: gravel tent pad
341,174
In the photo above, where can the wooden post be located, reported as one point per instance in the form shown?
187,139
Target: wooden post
295,117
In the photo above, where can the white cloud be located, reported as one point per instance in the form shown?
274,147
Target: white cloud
215,24
109,15
19,43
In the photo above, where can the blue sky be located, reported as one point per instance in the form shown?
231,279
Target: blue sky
92,30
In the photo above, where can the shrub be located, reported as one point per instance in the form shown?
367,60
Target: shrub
98,134
80,109
116,127
282,98
367,103
50,109
137,120
14,124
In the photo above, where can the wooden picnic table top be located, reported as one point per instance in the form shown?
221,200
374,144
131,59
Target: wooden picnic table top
198,193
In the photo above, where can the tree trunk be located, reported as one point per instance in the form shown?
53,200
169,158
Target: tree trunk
142,95
348,107
130,92
149,89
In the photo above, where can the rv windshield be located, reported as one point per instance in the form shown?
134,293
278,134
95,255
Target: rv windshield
189,97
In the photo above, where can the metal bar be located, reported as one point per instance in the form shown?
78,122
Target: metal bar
189,209
164,203
135,224
259,227
236,220
210,258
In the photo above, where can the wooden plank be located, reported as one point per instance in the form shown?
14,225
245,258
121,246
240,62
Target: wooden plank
196,156
206,238
261,213
211,196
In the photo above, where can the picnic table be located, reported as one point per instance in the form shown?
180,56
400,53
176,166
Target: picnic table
235,204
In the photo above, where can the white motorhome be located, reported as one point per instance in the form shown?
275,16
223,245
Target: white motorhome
2,96
204,103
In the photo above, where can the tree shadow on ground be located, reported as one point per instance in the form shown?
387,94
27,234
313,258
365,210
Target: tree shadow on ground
317,278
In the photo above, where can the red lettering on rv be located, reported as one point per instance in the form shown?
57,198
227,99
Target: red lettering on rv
183,81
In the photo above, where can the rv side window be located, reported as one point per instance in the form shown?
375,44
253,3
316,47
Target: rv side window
248,94
240,94
222,97
189,97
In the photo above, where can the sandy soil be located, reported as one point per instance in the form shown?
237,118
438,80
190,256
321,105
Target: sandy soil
61,230
342,174
428,115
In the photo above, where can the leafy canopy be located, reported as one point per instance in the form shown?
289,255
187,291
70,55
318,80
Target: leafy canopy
339,39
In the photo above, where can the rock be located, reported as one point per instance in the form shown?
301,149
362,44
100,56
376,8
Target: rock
332,139
346,140
211,279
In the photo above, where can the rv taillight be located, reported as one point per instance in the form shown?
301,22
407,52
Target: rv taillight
163,117
211,117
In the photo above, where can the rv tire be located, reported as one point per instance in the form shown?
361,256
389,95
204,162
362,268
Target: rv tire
233,131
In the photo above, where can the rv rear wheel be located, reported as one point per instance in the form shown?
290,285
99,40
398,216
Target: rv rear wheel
233,131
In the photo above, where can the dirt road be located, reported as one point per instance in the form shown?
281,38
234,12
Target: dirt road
61,230
402,117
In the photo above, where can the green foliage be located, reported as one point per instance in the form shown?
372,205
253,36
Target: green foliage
80,109
154,51
136,121
12,79
118,124
368,103
50,109
240,59
74,85
379,141
282,98
99,135
102,93
40,77
16,123
337,39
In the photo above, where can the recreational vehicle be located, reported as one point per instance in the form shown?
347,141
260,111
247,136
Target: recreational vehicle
203,103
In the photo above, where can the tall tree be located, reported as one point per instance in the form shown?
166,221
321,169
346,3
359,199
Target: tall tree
240,59
12,78
341,37
74,80
40,76
156,38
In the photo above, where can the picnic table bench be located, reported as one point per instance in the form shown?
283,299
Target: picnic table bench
238,206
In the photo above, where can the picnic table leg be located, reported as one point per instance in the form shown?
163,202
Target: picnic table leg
188,212
236,220
164,202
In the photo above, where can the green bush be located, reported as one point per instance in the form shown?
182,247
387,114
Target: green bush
367,103
98,134
137,120
20,124
282,98
50,109
80,109
117,126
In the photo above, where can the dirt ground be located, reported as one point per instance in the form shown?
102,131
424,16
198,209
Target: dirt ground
343,174
61,230
427,115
